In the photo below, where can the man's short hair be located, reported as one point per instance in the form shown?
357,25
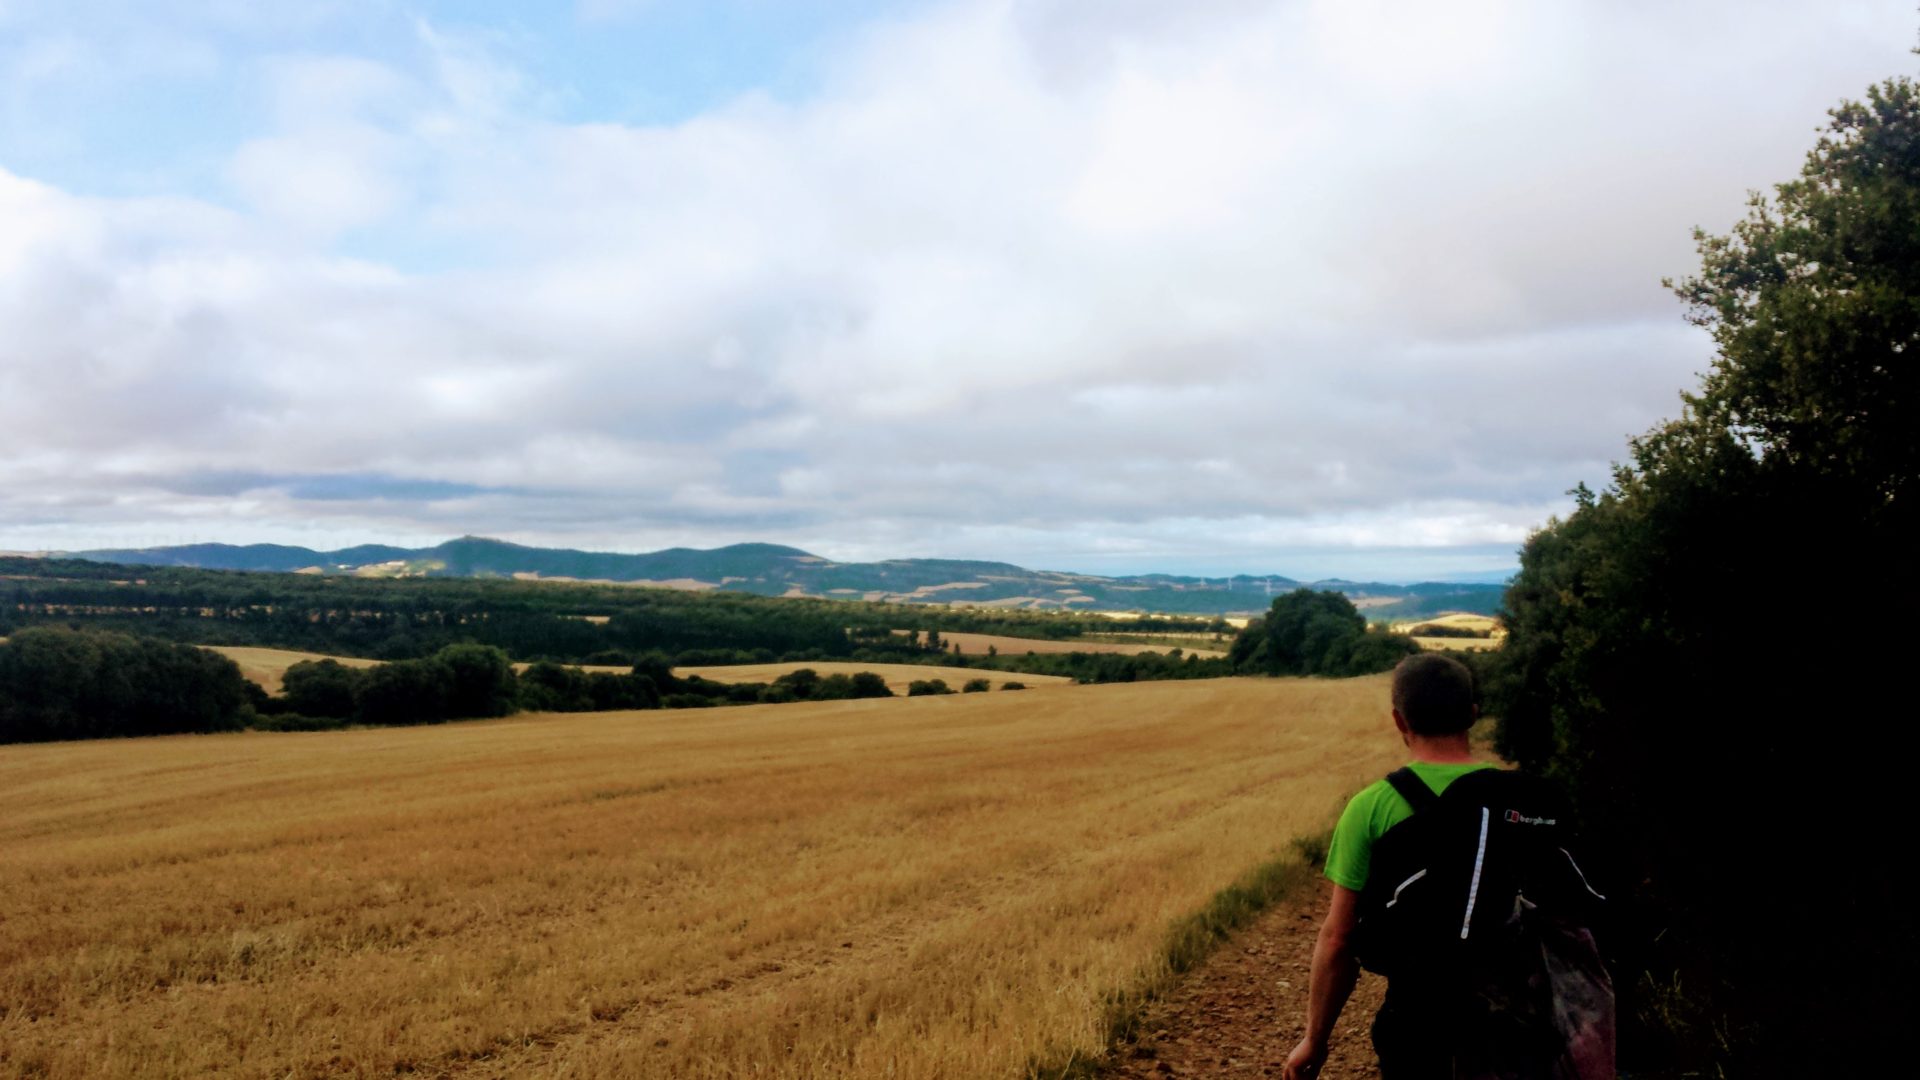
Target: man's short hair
1433,694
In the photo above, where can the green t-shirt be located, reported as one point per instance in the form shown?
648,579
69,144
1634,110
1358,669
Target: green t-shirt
1375,810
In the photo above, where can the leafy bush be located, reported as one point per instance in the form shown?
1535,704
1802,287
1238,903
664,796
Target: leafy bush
549,687
480,682
322,688
928,687
607,691
975,686
288,721
866,684
403,692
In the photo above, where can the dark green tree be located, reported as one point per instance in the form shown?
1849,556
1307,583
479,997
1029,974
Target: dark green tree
866,684
1646,664
1812,301
549,687
57,683
405,692
801,683
481,681
1308,632
321,688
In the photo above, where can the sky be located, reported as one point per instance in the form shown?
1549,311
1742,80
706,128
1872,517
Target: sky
1344,288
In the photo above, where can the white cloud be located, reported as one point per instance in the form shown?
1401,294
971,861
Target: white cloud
1020,281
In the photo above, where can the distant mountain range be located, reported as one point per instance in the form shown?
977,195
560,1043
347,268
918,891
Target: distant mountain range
773,570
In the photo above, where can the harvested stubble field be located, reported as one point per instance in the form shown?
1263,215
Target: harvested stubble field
269,666
977,645
935,887
898,676
1462,620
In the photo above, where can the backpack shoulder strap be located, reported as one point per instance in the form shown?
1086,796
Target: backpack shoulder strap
1412,788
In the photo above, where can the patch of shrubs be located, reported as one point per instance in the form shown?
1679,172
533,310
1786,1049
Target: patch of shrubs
928,687
61,683
458,682
296,722
807,684
468,681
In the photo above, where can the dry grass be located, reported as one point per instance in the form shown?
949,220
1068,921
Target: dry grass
1201,644
267,666
898,676
976,645
1463,644
1463,620
591,669
936,887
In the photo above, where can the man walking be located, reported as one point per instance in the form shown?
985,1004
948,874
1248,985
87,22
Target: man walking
1438,1020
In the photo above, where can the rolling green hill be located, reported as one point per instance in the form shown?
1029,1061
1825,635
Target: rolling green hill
774,570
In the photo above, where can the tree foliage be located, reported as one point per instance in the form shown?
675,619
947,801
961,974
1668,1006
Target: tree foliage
1308,632
320,688
1645,664
415,618
66,684
1814,303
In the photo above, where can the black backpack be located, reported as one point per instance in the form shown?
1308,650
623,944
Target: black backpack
1476,905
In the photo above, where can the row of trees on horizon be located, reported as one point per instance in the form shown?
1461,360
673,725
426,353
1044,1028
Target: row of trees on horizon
66,682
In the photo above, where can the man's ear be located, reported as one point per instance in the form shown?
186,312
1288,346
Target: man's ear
1401,723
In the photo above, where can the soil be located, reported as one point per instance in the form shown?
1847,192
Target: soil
1240,1012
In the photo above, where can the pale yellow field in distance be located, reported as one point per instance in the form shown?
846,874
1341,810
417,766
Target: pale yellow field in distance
898,676
1464,620
934,887
976,645
1466,644
266,666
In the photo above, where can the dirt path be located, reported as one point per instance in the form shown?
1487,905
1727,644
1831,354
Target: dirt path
1241,1011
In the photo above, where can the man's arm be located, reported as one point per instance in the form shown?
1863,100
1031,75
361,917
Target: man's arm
1329,983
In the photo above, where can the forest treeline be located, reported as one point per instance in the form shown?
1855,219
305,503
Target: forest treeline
58,683
411,618
475,681
65,684
83,678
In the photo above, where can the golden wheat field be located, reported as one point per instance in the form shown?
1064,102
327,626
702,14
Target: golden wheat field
268,666
977,644
933,887
1441,644
898,676
1463,620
